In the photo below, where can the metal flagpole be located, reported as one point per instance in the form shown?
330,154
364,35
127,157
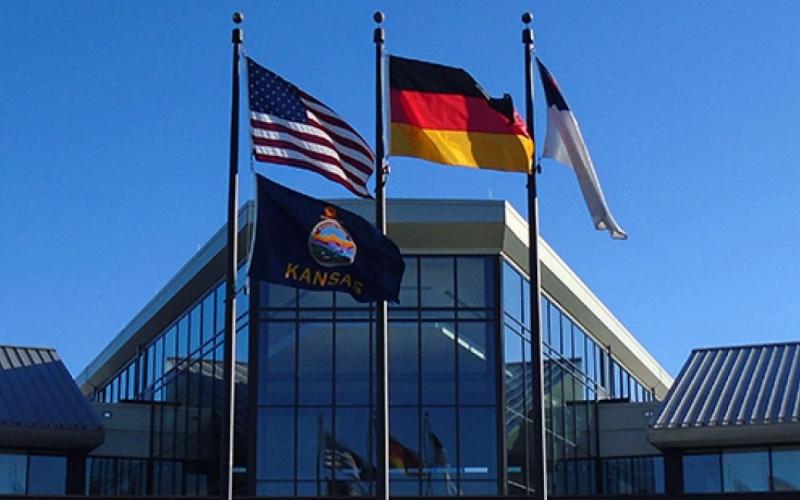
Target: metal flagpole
538,479
381,172
226,452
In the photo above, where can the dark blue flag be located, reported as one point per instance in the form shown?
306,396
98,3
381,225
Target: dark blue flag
307,243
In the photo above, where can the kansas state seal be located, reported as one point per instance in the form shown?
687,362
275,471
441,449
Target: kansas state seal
329,242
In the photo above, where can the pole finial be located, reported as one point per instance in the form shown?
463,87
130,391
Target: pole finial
236,35
527,17
378,17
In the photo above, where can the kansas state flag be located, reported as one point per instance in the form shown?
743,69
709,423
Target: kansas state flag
304,242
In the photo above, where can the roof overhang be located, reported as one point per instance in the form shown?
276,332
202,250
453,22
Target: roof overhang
728,435
51,438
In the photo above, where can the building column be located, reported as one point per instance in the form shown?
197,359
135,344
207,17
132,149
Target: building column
76,474
673,471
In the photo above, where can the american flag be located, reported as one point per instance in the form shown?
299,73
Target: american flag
290,127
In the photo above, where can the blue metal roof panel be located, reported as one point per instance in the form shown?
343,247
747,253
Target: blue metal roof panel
36,390
734,386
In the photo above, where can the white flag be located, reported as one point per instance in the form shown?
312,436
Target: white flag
564,143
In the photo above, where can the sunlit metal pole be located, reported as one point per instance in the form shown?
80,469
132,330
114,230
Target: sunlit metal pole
538,477
226,452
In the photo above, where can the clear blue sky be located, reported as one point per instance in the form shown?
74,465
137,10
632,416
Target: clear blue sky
114,149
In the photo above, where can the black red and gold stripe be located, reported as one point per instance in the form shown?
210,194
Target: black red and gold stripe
441,114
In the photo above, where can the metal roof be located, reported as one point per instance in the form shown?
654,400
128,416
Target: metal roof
38,394
740,387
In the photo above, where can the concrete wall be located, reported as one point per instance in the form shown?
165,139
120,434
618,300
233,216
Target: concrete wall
623,428
127,430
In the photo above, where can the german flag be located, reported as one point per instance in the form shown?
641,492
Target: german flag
441,114
402,457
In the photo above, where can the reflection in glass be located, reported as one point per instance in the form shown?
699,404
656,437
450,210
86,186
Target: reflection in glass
439,451
512,293
315,363
786,469
745,470
12,473
349,453
478,443
277,360
352,363
701,473
438,368
312,426
437,282
275,450
475,281
403,363
405,457
476,363
47,475
408,287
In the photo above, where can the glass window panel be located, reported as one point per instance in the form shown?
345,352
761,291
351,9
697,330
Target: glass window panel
151,364
438,363
183,339
313,298
276,451
478,443
478,488
475,281
408,286
208,318
402,487
515,407
13,469
591,361
566,338
278,296
701,473
745,470
47,475
554,327
439,449
476,363
142,371
403,363
277,360
276,488
132,380
219,300
512,292
315,363
616,389
313,424
526,303
579,349
354,470
194,328
437,282
786,469
352,363
405,454
170,349
159,359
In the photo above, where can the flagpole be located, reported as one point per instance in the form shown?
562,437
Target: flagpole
226,452
381,172
538,479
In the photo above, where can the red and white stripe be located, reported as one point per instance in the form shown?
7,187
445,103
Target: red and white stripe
325,144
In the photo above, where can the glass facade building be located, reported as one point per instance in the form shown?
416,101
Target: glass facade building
460,381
